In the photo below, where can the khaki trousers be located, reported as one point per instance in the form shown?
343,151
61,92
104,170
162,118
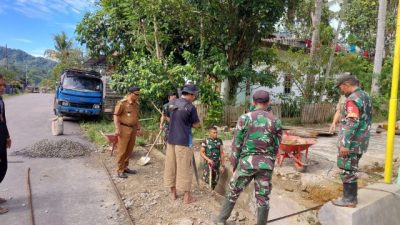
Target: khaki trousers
178,170
126,142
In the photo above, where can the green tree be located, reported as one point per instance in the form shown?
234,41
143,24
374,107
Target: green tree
66,55
9,74
361,22
235,28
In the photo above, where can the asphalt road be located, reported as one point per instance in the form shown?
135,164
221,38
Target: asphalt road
65,191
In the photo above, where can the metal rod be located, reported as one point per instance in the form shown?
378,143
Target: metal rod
131,220
293,214
32,216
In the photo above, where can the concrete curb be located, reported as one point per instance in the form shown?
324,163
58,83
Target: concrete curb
377,204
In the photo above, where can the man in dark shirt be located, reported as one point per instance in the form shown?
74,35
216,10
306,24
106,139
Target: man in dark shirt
5,141
164,120
178,163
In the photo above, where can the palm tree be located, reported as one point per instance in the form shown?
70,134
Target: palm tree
62,48
66,55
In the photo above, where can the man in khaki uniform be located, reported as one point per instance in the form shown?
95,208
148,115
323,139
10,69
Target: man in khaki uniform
126,121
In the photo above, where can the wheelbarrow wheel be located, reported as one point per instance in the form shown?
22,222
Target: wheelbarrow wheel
301,157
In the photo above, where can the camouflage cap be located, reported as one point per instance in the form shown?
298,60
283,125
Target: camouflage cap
345,78
261,96
133,89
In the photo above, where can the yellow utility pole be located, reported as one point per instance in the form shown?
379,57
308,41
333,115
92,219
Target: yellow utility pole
393,104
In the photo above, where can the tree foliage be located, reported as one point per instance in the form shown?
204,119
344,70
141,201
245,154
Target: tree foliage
206,29
9,74
361,23
66,55
235,28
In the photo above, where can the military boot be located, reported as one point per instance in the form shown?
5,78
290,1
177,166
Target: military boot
353,192
349,198
226,210
262,215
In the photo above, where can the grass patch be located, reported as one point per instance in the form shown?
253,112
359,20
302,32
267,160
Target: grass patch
203,134
379,118
140,141
93,130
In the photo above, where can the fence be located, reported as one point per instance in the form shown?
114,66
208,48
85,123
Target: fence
317,112
309,113
231,113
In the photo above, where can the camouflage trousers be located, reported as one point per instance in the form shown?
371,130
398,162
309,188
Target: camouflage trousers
262,184
349,166
214,177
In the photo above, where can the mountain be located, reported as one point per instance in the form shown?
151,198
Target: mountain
22,63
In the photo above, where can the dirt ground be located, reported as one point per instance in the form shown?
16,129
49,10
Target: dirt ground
149,203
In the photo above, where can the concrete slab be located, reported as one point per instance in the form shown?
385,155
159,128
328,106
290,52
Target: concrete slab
281,204
377,204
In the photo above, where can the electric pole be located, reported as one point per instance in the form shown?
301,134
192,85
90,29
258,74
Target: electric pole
26,74
6,58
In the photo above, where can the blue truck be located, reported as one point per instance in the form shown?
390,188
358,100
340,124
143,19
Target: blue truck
79,93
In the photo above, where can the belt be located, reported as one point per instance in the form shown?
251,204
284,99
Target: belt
126,125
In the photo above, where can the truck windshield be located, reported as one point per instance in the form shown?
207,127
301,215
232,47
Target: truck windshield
82,83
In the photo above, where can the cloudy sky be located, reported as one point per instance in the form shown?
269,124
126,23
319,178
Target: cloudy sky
29,25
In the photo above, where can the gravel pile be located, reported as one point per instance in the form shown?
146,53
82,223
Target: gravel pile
55,149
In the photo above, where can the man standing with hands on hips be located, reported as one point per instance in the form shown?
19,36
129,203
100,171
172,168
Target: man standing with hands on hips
353,138
126,122
5,140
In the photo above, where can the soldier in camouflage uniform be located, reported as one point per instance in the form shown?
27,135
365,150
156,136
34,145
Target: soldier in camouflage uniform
254,149
212,152
353,138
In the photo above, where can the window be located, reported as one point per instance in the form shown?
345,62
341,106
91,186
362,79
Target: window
287,84
82,83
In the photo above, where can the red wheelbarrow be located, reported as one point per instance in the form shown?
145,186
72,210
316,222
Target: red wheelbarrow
296,148
112,139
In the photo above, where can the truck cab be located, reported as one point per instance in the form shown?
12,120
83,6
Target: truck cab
79,93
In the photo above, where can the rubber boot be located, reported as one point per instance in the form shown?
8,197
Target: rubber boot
262,215
349,198
226,210
353,189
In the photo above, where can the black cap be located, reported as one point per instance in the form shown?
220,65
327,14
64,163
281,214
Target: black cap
190,89
345,78
261,96
133,89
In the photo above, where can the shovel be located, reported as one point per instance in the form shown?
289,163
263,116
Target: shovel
146,159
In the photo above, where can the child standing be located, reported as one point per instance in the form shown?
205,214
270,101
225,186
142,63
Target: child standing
212,152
